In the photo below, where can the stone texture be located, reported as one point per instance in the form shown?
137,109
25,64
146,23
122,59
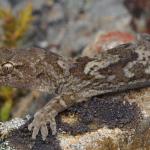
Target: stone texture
118,121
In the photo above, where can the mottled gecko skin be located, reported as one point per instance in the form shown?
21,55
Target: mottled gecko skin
122,68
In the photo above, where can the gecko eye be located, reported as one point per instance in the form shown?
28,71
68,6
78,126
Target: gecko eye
7,68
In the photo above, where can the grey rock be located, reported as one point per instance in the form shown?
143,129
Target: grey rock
119,121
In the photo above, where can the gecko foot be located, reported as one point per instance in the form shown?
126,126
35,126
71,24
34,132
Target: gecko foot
41,119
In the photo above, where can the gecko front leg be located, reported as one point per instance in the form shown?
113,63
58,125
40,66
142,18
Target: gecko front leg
47,114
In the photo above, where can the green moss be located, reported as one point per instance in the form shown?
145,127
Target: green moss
14,26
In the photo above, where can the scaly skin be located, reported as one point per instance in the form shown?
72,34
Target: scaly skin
122,68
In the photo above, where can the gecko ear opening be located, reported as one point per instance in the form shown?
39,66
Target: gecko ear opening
7,68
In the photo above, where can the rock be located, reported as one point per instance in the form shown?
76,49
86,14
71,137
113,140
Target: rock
107,40
140,11
118,121
70,25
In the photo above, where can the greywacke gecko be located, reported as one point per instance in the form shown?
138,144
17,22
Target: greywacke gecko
124,67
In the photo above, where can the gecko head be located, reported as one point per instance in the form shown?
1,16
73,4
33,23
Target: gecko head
18,67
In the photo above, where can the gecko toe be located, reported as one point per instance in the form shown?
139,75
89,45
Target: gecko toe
44,132
30,126
35,132
53,125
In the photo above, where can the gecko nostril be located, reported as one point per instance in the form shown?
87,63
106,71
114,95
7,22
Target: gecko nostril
7,68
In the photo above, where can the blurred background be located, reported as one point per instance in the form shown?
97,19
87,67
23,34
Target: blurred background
69,27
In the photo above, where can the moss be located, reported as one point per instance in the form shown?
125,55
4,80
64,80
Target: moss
105,144
14,26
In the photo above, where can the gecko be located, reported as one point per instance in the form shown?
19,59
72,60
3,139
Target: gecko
125,67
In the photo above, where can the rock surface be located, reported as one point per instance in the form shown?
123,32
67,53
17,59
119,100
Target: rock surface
119,121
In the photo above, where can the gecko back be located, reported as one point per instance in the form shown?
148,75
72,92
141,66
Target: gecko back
121,68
